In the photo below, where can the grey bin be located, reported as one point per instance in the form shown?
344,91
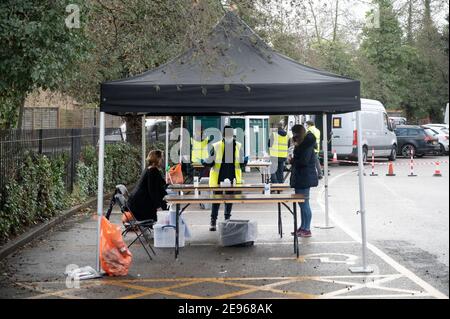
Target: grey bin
237,232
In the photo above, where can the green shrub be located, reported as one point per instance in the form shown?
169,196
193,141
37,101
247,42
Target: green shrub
122,166
37,192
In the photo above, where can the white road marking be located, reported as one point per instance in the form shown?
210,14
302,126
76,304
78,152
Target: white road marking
357,286
284,243
322,257
401,269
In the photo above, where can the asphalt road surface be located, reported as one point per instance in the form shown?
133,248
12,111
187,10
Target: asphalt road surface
407,217
407,227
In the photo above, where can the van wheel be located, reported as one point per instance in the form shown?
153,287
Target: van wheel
393,155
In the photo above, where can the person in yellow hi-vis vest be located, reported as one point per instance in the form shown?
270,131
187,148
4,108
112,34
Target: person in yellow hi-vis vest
227,162
278,150
199,150
311,127
199,147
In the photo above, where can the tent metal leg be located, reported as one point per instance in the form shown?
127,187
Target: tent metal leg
143,142
177,229
296,249
166,155
101,163
280,221
362,202
327,224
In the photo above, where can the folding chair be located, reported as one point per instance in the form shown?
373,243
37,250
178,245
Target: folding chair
141,228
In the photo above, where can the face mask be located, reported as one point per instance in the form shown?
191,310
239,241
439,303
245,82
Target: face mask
228,139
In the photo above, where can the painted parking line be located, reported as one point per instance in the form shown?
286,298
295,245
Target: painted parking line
149,291
378,252
342,286
45,293
265,288
322,257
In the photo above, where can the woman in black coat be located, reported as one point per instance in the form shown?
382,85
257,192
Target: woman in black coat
148,194
304,173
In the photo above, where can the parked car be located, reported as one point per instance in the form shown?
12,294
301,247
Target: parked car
397,120
413,138
441,135
155,129
377,132
113,135
438,127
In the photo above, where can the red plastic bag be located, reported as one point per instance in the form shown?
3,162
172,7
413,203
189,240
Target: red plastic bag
115,257
175,175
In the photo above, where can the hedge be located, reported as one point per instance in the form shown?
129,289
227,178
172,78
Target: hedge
37,191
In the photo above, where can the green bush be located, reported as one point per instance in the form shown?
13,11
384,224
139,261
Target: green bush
35,195
37,190
122,166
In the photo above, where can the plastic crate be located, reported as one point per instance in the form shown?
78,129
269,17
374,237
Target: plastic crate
164,236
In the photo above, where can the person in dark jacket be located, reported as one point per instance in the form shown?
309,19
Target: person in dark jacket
278,144
304,173
148,195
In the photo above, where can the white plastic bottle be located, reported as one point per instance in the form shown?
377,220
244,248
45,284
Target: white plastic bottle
266,189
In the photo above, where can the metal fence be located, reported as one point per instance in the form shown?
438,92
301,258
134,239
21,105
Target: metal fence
15,143
55,117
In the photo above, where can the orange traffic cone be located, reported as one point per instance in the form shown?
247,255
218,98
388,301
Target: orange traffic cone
437,170
391,169
335,159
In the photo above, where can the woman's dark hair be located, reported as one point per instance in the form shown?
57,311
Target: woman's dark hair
299,133
154,157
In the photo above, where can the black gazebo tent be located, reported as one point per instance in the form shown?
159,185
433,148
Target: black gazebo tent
233,72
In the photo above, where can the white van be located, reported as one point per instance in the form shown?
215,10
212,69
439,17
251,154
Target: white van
377,133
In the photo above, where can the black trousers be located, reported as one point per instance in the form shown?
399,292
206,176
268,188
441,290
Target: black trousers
277,176
215,208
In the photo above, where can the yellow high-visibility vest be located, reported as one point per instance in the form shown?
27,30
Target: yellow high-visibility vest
316,132
199,150
219,149
279,148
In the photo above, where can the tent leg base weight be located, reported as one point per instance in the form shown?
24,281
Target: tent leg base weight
361,270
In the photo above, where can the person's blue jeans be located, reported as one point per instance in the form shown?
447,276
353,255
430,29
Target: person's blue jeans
305,209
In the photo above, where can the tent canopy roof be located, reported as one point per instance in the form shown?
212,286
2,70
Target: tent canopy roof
232,72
